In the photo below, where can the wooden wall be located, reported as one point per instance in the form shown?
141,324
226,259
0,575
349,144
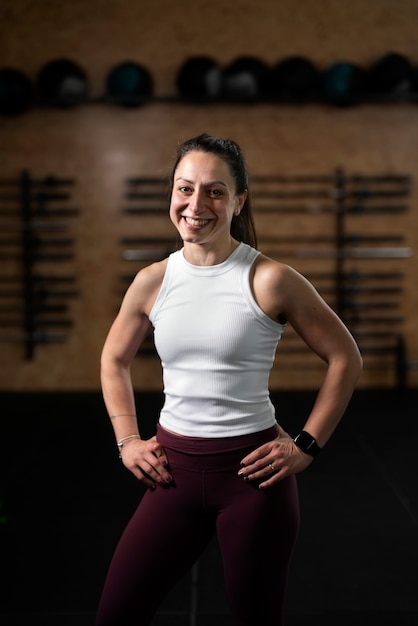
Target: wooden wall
101,145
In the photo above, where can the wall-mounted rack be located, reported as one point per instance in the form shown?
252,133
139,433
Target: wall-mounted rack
35,251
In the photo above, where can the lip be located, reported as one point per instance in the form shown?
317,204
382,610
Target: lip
195,223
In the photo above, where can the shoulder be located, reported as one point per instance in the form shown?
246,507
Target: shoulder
278,287
268,273
151,275
145,287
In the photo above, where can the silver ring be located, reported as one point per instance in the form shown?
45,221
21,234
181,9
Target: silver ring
271,467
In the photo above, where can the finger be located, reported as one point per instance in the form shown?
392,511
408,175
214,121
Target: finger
256,455
262,469
143,478
156,472
161,457
161,464
271,481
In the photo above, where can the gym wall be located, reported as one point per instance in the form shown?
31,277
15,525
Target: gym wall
100,145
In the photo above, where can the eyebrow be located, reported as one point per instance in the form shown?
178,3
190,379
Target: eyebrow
212,182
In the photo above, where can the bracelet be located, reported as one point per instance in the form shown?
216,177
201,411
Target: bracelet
112,417
121,442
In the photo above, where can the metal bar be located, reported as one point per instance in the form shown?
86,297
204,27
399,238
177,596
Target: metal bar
355,290
146,195
34,226
146,180
145,210
297,178
50,212
317,209
36,241
36,322
357,253
144,255
39,197
356,275
35,308
38,279
370,319
38,257
358,304
370,208
48,181
353,238
382,178
150,240
36,337
42,293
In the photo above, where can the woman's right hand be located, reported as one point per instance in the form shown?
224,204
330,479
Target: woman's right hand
147,460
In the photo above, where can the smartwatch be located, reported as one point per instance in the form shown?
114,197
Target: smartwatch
307,443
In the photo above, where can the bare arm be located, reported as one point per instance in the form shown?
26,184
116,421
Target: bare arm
146,459
284,294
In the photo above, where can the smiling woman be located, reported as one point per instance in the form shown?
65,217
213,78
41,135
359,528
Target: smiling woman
232,178
203,203
219,463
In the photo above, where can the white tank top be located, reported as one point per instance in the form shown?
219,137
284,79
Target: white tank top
216,347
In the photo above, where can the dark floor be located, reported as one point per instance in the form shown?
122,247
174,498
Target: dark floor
65,499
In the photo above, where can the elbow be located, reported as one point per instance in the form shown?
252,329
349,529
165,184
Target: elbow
111,364
355,364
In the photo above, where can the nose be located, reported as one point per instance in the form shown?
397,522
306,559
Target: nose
196,205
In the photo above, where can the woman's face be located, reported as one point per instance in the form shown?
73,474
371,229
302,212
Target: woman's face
204,200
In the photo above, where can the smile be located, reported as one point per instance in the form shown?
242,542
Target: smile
195,222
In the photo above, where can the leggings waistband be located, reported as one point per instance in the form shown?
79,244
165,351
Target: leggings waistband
211,453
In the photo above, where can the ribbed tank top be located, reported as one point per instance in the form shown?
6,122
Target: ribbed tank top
216,347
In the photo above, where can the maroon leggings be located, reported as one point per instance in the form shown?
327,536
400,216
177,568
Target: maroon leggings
172,526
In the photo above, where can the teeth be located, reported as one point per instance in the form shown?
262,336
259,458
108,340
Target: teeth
194,222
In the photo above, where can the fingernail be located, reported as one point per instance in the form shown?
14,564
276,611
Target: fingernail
163,462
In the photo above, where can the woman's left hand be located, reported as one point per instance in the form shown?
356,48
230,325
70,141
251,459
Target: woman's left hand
274,460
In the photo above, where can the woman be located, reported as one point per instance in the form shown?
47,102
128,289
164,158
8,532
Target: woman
219,463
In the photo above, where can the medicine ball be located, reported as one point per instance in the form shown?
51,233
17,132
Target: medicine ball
16,91
200,77
62,83
246,78
343,82
294,77
391,73
128,83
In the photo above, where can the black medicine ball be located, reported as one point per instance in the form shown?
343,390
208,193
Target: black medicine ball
392,73
62,83
199,77
343,82
16,91
128,82
294,77
246,78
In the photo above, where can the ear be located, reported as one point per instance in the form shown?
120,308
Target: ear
240,202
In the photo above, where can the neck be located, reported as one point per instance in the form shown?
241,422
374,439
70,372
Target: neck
200,254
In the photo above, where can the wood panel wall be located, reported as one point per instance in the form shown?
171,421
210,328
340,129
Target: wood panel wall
101,145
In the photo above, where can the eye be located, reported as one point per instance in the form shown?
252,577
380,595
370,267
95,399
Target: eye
184,189
215,192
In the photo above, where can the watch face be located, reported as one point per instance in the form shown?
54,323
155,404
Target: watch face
307,443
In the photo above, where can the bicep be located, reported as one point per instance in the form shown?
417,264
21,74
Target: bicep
128,330
315,321
125,336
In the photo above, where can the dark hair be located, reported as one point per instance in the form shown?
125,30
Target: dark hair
242,225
